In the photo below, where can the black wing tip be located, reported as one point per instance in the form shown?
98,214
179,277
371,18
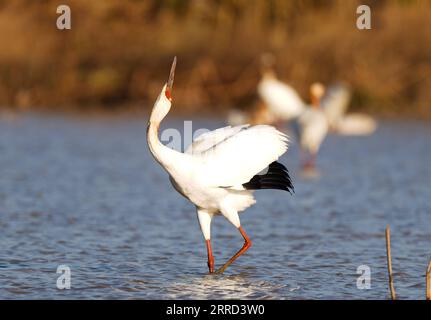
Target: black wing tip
277,178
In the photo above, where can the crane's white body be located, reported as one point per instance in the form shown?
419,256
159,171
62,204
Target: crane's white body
312,128
212,171
281,99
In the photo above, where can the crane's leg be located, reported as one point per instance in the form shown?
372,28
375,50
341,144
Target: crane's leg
205,218
247,244
313,160
210,257
306,159
303,158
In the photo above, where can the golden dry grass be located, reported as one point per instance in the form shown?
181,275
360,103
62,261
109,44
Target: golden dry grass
119,52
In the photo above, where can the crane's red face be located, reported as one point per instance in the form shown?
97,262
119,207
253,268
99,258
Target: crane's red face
168,94
170,83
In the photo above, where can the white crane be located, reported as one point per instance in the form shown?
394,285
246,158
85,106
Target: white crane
220,170
284,104
312,127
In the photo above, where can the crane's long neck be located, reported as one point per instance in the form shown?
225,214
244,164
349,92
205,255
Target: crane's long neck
171,160
160,152
315,102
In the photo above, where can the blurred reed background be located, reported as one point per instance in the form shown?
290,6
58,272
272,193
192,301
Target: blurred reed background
118,53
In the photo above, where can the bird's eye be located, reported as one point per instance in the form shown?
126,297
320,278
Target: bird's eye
168,95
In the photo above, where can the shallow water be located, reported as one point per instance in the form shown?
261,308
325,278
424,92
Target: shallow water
87,194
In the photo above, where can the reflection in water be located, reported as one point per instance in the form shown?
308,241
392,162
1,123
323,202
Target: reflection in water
224,287
87,194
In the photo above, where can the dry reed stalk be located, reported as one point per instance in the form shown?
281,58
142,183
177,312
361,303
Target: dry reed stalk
388,253
428,280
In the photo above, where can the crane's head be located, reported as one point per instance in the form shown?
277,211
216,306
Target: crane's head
317,90
170,83
164,100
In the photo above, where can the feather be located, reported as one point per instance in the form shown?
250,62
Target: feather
236,159
277,177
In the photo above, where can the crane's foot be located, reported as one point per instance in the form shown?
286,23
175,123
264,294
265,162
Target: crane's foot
244,248
211,268
227,264
222,269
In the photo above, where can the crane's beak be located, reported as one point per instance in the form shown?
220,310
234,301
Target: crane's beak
170,82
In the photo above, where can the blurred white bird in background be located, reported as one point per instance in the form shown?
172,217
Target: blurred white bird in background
311,127
283,102
336,102
279,102
356,124
221,169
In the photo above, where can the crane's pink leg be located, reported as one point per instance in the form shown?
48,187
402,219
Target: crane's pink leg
303,159
210,257
307,160
313,161
247,244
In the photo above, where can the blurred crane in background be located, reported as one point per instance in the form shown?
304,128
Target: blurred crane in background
311,127
283,102
280,103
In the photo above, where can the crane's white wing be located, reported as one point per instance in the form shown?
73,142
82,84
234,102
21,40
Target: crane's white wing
235,160
209,139
335,103
282,100
356,124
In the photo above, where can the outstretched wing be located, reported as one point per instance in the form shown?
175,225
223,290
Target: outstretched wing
281,99
356,124
235,160
335,102
209,139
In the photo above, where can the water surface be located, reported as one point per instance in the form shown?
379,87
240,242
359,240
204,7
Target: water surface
87,194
